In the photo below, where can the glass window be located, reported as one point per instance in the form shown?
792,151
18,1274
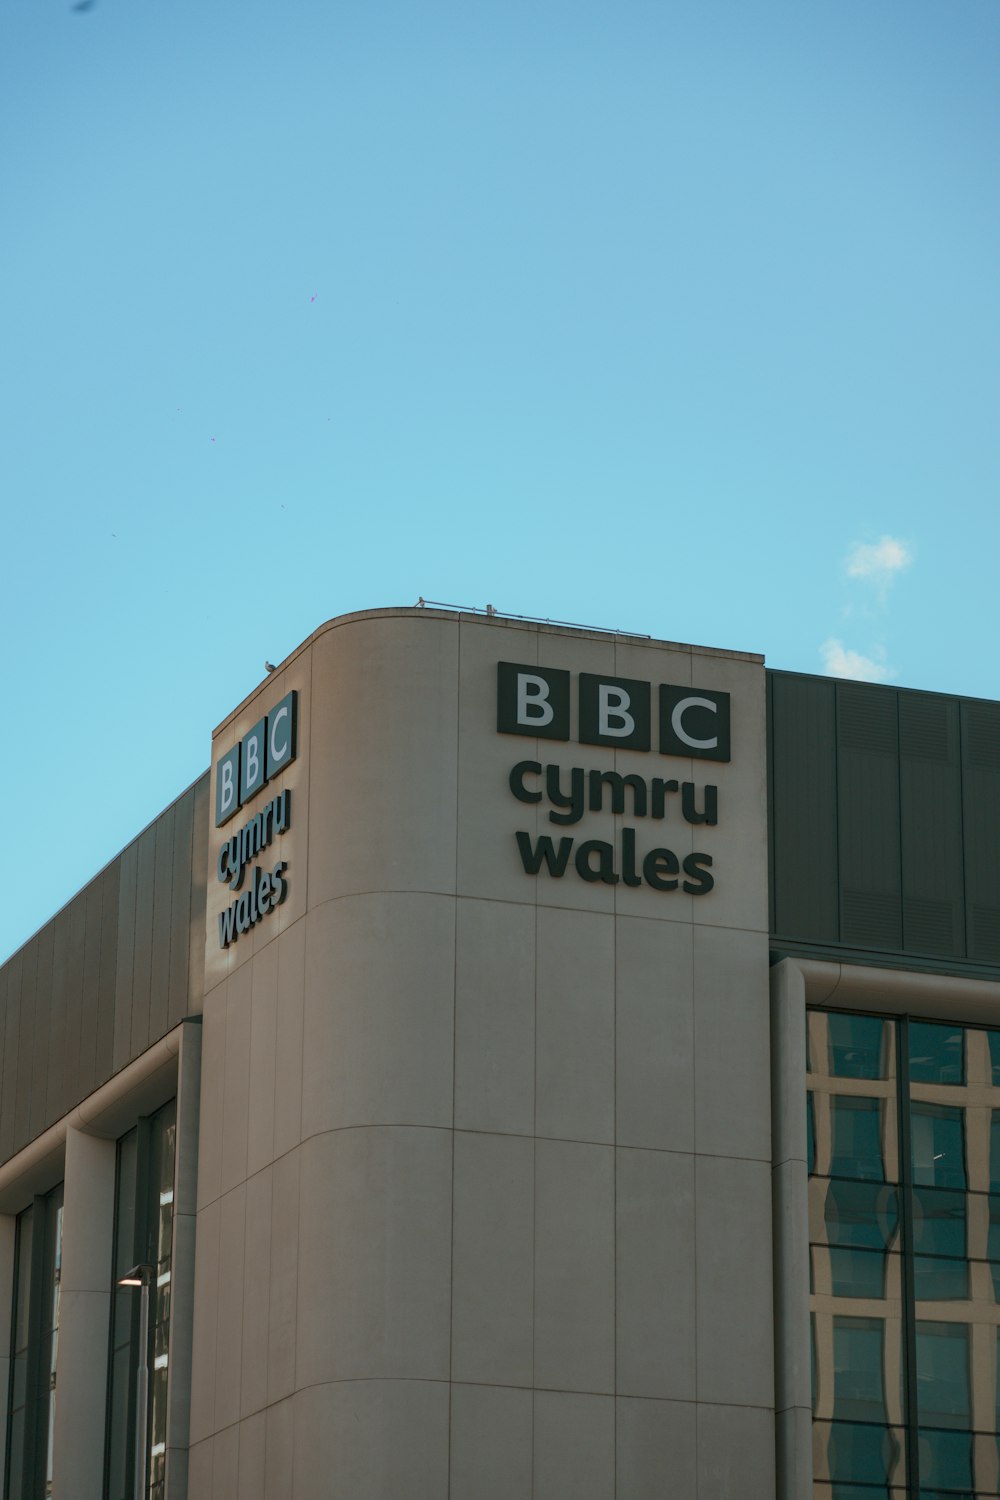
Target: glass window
144,1196
943,1375
34,1345
937,1136
858,1369
857,1138
937,1053
856,1046
857,1273
862,1214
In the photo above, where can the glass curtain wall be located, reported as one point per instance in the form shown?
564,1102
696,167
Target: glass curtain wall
34,1346
144,1207
904,1209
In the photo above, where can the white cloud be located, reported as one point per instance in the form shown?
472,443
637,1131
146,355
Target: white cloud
880,561
839,661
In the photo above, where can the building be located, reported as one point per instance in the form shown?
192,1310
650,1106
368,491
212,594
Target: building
533,1064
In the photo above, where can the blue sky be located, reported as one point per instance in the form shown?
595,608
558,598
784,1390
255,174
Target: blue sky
675,317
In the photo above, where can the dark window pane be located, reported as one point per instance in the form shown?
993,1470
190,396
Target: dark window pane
811,1133
857,1273
943,1378
937,1133
859,1452
995,1149
937,1279
939,1222
857,1138
860,1214
937,1053
858,1369
857,1047
945,1461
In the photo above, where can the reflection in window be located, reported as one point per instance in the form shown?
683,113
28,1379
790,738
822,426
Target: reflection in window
34,1345
857,1273
858,1388
905,1279
937,1132
856,1046
938,1222
943,1374
144,1193
937,1053
857,1138
862,1214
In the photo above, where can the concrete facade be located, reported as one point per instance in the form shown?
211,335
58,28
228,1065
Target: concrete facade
484,1195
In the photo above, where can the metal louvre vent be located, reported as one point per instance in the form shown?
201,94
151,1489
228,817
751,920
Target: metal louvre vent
982,735
985,933
923,728
866,719
871,919
928,926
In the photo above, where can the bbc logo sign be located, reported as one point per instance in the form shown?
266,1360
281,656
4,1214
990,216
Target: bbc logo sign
535,701
267,749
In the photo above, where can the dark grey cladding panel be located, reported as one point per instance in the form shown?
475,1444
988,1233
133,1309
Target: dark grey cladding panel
803,805
910,782
981,809
114,971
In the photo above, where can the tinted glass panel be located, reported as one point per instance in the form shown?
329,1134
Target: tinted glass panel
943,1376
937,1133
857,1138
856,1046
937,1054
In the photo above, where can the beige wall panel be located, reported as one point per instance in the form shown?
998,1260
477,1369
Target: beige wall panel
84,1311
291,949
488,813
495,1017
491,1443
213,1065
732,1043
263,1052
252,1457
206,1315
734,1287
740,895
226,1465
654,1034
492,1312
574,1266
279,1455
256,1288
229,1344
735,1453
575,1025
200,1470
385,698
574,1456
372,1440
236,1085
656,1450
374,1289
282,1301
655,1275
379,1012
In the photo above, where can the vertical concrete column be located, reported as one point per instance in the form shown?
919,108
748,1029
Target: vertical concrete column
84,1310
182,1262
8,1233
790,1171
